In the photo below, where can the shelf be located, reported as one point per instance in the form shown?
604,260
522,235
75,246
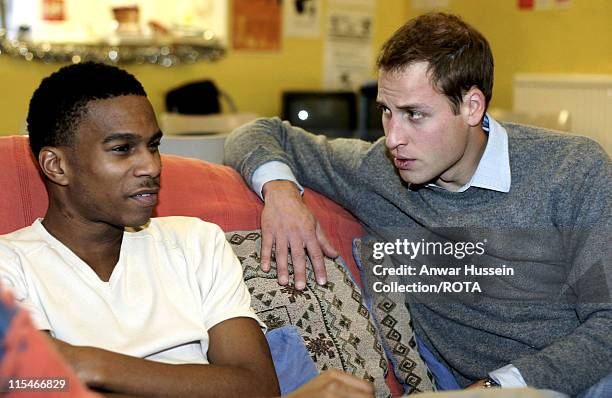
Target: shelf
129,50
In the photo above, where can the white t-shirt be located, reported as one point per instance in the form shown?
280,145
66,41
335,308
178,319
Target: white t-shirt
175,279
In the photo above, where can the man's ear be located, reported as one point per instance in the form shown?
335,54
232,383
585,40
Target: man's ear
53,163
473,106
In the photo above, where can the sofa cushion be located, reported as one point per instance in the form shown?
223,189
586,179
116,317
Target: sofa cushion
23,197
333,320
393,322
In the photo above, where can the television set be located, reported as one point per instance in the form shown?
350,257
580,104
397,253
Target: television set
370,115
333,113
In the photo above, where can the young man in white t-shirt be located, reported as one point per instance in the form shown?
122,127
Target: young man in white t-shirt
137,306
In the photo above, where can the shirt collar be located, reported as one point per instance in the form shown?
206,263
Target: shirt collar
493,171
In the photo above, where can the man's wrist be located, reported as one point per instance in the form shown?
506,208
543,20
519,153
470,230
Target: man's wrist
88,370
272,171
277,186
88,364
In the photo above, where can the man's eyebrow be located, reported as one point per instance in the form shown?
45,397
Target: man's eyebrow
414,107
130,137
121,136
156,136
408,107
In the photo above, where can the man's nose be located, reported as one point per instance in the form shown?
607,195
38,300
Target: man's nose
149,164
395,134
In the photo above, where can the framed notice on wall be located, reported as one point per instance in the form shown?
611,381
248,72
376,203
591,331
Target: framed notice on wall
348,49
535,5
256,25
302,18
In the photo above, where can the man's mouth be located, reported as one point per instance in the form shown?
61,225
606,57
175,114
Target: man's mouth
147,199
403,164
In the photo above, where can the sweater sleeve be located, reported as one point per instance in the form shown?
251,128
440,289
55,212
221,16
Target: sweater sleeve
580,359
327,166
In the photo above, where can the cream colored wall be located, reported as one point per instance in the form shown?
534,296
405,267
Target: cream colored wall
574,40
254,80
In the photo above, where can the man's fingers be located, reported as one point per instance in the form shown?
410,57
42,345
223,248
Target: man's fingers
298,257
317,260
287,223
267,240
281,261
355,382
342,384
335,384
326,246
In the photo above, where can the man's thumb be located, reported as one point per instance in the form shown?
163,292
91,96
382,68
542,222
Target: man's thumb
326,246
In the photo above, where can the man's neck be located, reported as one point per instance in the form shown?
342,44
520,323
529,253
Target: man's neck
97,244
462,172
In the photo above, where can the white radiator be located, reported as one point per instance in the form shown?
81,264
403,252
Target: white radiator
588,98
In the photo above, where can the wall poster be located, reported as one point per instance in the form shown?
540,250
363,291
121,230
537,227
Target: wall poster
302,18
348,49
256,25
537,5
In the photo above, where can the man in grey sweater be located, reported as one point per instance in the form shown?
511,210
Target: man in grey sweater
523,199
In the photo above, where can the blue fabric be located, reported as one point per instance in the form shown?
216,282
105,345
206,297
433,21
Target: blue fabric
294,366
444,377
368,302
603,389
6,316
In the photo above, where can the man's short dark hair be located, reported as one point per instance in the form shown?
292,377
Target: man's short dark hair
59,103
459,57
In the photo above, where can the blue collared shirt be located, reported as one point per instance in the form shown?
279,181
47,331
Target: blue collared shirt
493,171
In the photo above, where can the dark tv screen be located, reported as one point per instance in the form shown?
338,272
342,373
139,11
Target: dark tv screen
370,124
321,112
374,116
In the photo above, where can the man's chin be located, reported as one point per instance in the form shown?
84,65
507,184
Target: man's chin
413,178
138,223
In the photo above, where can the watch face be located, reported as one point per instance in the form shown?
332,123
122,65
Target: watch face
490,383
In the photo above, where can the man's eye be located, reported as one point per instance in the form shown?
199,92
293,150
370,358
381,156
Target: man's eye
384,109
154,146
415,115
121,148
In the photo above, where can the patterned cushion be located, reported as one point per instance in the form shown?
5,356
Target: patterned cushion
333,320
394,324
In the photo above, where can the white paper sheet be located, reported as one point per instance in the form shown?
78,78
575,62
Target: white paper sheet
302,18
348,49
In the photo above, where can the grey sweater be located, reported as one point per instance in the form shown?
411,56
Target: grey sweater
553,227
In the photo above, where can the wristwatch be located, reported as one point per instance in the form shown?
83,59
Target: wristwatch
490,383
